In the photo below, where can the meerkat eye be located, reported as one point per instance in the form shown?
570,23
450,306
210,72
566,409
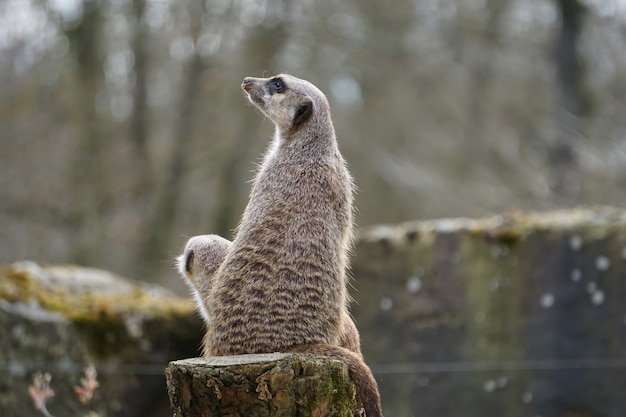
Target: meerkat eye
277,86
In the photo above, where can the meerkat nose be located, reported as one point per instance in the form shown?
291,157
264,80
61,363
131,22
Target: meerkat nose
247,82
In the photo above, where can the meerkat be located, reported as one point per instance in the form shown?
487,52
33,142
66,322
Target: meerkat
200,259
281,286
198,263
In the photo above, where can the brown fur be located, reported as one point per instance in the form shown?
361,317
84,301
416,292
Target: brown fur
282,284
201,257
200,260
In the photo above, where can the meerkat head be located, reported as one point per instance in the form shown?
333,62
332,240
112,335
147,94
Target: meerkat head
288,101
202,256
197,265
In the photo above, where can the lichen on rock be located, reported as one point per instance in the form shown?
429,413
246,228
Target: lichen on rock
59,319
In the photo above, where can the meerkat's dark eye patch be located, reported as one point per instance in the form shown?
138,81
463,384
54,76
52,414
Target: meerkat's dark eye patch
303,112
276,86
189,262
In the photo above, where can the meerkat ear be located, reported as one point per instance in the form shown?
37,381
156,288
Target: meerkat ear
303,112
188,259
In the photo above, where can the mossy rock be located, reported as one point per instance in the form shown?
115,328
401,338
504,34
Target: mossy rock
59,319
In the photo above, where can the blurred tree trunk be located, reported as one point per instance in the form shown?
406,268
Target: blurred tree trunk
143,178
479,61
89,177
168,195
574,102
570,64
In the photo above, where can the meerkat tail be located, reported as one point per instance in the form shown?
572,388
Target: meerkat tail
360,374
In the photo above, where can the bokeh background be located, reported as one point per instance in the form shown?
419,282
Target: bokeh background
123,128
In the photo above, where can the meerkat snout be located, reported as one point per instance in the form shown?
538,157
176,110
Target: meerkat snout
246,83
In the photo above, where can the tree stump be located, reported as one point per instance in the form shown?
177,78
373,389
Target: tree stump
267,385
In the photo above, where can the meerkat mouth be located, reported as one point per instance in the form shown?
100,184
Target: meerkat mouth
256,100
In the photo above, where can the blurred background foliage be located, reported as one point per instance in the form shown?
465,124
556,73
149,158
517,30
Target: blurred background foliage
123,129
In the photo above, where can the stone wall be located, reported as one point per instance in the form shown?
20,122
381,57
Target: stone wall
516,315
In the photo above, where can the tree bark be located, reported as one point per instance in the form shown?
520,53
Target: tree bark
268,385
